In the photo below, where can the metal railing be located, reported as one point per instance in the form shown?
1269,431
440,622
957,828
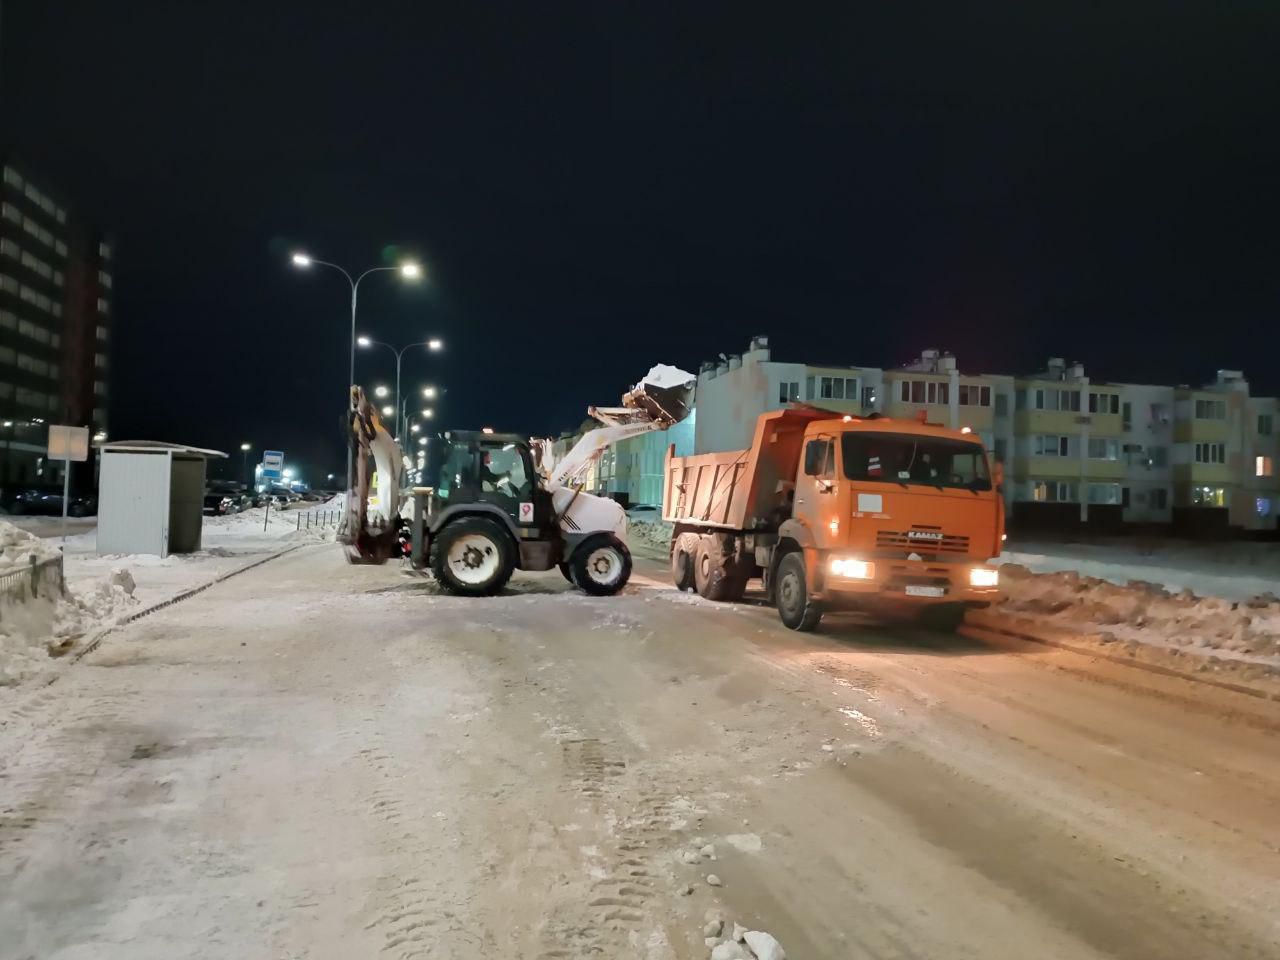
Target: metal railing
39,578
319,518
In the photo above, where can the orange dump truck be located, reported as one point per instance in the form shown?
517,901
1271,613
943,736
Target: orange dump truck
893,516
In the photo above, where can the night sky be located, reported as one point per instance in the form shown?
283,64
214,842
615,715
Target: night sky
596,188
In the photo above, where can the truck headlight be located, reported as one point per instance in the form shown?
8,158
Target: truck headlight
852,569
984,577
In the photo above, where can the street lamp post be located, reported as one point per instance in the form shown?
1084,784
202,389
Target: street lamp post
434,344
408,270
244,463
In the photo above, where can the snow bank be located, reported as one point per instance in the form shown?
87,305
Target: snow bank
17,547
1141,611
32,629
655,532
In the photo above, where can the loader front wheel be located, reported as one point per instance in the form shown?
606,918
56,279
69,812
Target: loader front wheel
473,557
601,566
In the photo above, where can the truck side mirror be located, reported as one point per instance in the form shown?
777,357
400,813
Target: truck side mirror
997,475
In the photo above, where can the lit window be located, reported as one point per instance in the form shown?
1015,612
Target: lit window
8,284
103,306
1263,506
10,249
12,176
104,250
57,278
1054,491
1209,496
102,332
1264,467
10,212
104,278
60,248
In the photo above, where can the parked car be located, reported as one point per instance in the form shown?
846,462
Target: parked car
49,503
216,504
644,511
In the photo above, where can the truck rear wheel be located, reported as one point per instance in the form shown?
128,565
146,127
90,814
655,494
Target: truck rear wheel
709,574
601,565
473,557
683,551
791,589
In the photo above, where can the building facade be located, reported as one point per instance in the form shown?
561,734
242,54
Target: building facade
1077,451
55,316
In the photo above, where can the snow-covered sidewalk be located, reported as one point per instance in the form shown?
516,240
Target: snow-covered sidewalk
103,590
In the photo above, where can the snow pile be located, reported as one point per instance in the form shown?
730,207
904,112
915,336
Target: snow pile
655,532
17,548
32,629
1143,612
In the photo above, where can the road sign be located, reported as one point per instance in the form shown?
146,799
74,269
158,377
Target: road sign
272,464
68,443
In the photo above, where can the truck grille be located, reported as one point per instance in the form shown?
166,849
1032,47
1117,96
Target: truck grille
922,540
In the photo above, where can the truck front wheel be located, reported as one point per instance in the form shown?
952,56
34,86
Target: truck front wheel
473,557
601,566
791,591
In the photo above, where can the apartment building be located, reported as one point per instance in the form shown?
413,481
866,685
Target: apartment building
55,316
1224,455
734,390
933,387
1076,450
1146,424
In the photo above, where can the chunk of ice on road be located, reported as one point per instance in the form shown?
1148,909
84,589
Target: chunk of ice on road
708,851
764,946
746,842
713,880
730,950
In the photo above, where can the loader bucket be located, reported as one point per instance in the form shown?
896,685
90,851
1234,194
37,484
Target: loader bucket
665,394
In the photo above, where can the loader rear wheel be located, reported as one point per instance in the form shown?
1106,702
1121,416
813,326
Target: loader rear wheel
601,565
683,552
709,575
791,590
473,557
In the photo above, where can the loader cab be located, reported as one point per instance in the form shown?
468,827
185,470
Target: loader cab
467,467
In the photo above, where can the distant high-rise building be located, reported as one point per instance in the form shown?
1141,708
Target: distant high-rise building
55,322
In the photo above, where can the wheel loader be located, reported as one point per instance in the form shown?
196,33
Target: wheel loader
492,503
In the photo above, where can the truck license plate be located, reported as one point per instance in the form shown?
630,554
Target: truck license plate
917,591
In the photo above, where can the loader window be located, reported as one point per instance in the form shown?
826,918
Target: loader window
503,471
908,459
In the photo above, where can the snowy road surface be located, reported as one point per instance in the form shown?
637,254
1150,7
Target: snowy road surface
321,761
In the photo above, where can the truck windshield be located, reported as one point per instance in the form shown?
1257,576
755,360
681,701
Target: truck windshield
904,458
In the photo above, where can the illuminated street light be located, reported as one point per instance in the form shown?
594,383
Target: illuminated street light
433,344
380,391
413,428
422,441
407,270
288,472
486,429
429,392
388,410
428,413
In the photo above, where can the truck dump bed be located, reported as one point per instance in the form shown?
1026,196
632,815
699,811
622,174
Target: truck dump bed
739,489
